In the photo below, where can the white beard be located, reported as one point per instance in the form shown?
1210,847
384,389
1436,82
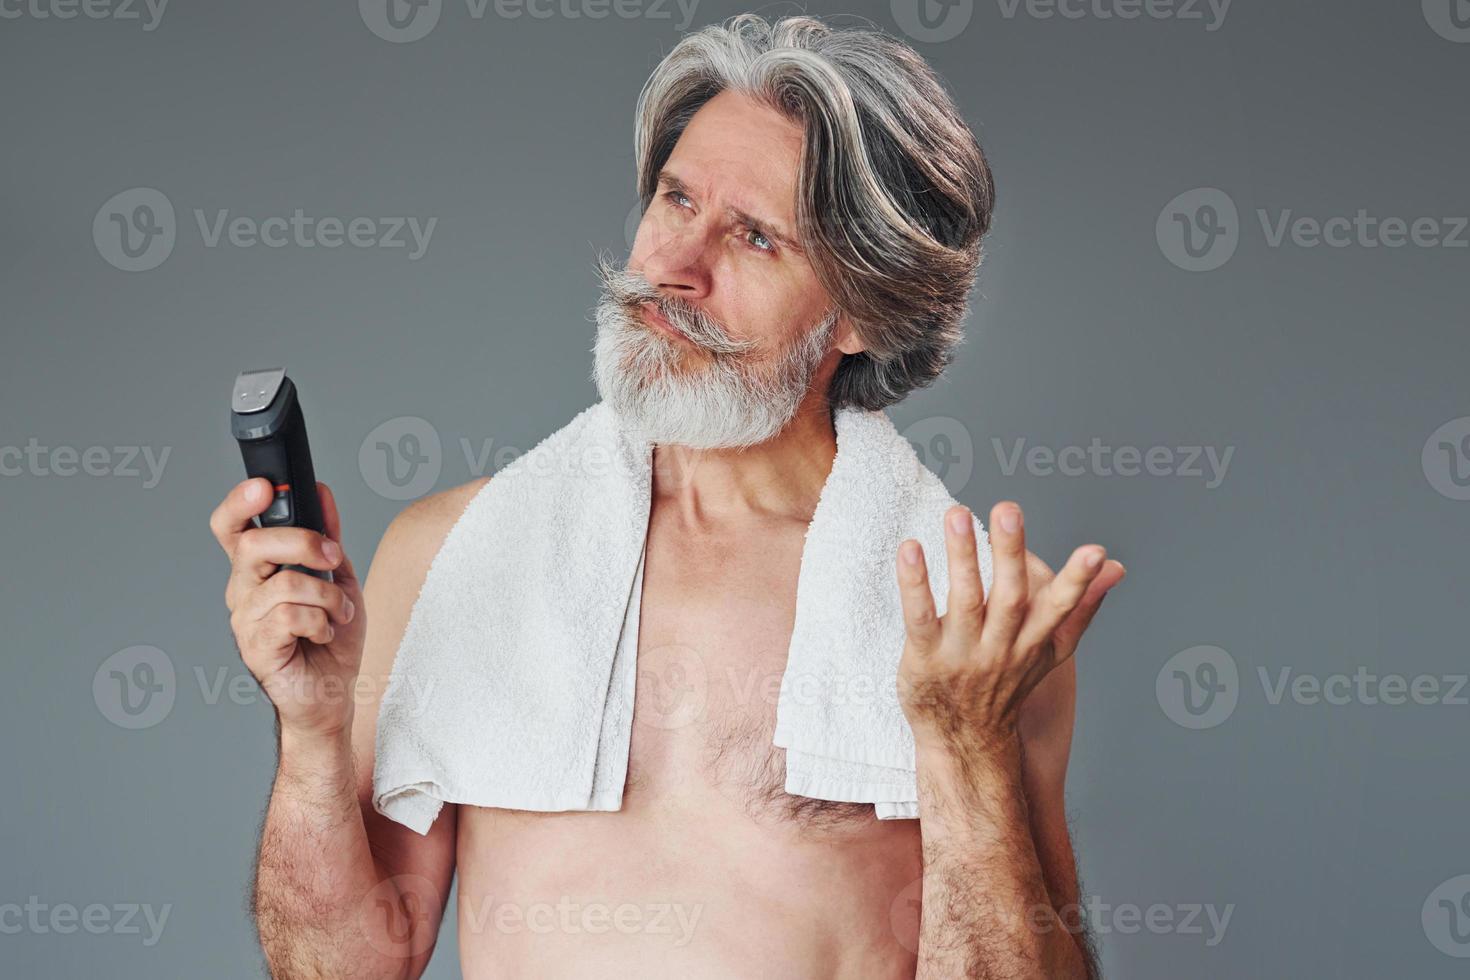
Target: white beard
728,401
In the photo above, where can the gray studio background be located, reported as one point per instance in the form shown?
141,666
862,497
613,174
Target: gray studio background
1333,542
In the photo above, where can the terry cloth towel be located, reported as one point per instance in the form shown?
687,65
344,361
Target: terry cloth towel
513,684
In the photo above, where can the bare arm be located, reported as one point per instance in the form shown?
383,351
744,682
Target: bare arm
987,908
1045,726
339,890
324,905
995,872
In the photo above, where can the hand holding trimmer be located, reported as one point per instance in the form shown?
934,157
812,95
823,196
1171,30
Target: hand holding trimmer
266,419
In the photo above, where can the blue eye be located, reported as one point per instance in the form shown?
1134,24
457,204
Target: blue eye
769,247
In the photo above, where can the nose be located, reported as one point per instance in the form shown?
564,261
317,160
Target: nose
673,255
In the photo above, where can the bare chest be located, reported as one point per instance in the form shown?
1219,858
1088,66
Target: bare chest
783,885
714,634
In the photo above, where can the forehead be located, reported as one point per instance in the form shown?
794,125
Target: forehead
742,154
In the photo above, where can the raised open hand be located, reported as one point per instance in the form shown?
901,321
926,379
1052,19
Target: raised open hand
963,677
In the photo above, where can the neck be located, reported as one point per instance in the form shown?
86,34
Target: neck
781,478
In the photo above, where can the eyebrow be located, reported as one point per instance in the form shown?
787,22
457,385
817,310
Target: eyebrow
769,228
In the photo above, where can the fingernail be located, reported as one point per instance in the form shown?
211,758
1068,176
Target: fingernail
1094,559
910,553
959,521
348,610
332,551
1010,521
255,493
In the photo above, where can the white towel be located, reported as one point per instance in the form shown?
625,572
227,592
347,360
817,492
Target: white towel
511,687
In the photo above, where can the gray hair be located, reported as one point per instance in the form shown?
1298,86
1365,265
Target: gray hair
893,194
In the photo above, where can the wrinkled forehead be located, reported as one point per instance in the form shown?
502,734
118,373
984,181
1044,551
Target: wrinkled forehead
738,153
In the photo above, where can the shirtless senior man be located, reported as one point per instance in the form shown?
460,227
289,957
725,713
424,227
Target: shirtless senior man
814,206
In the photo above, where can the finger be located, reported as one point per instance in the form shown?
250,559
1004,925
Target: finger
965,607
260,551
269,643
1069,633
298,588
233,515
344,574
1006,607
1055,601
919,618
280,628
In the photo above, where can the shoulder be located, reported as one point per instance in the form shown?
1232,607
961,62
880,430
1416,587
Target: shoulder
438,509
402,561
414,537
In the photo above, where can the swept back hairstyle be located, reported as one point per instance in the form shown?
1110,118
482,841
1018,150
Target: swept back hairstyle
893,194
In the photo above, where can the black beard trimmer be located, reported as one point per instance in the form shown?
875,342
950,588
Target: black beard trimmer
266,419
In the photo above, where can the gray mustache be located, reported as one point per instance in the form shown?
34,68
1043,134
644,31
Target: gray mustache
631,290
